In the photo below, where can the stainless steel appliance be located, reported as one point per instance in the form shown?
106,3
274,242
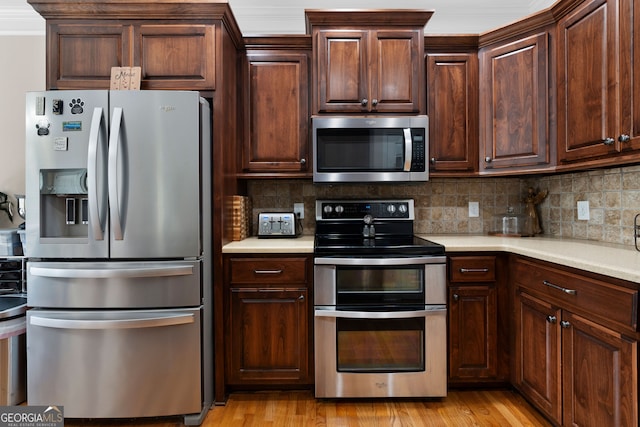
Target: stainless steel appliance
13,305
119,223
278,224
370,149
379,303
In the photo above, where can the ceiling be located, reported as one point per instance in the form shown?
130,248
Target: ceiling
267,17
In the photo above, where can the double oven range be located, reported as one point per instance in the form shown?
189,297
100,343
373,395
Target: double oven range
379,304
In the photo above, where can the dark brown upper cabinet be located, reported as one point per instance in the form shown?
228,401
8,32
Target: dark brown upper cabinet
276,104
452,107
367,61
515,104
598,92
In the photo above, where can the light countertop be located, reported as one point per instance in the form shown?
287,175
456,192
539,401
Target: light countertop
302,244
618,261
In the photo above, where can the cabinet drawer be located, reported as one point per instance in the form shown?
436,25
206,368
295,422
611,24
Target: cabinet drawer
472,268
570,290
268,270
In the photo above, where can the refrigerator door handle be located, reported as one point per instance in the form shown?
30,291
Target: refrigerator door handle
148,322
92,171
114,142
111,273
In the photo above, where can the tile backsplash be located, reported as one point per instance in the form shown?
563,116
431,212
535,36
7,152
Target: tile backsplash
442,203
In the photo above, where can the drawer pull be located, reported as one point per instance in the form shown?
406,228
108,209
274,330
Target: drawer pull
560,288
267,271
474,270
552,319
565,324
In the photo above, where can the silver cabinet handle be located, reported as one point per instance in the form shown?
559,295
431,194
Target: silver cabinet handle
267,271
565,324
364,102
474,270
608,141
433,160
374,102
560,288
303,161
624,138
552,319
301,298
487,159
456,297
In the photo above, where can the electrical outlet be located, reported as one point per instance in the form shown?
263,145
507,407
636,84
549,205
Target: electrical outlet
583,210
298,209
474,209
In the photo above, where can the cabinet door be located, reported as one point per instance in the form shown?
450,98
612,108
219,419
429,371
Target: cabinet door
599,374
395,71
342,66
175,56
588,90
629,76
537,354
278,113
472,333
80,56
452,107
514,104
268,336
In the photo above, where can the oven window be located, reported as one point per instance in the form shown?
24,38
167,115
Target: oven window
371,285
380,345
380,279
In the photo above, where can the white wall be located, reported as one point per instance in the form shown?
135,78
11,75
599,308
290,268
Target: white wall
23,70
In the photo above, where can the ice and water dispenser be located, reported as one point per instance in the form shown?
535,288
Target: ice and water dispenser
64,203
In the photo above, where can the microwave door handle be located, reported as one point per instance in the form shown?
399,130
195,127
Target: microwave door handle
408,149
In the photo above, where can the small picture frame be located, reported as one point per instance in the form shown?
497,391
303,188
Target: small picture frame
125,78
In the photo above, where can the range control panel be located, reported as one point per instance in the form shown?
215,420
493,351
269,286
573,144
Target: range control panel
357,209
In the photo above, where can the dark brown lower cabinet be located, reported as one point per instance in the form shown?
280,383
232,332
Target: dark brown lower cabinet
579,367
268,330
478,326
472,332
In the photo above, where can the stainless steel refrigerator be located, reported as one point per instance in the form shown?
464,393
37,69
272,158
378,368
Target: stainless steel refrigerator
118,229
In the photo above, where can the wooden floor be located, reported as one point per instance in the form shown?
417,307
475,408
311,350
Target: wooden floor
299,408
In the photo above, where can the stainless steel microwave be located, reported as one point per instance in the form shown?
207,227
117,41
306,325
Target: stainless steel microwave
370,149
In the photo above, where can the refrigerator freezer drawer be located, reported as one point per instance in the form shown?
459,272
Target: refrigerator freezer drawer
153,284
115,364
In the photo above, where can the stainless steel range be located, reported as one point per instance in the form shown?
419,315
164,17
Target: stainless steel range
380,303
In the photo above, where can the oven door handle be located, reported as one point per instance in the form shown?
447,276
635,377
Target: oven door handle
436,309
381,261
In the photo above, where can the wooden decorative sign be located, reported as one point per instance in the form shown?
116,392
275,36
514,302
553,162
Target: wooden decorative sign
125,78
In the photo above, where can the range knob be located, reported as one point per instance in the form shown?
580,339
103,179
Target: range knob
339,209
402,208
327,209
391,209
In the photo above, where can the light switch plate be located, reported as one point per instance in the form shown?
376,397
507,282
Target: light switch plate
583,210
